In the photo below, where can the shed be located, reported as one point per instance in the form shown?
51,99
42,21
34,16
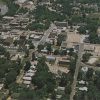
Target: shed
50,58
83,88
29,74
31,71
27,82
27,78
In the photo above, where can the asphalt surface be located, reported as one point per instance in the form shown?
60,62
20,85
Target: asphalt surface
78,64
46,34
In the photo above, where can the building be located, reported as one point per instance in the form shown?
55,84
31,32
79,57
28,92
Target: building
89,48
63,45
29,74
37,37
27,82
8,41
50,58
61,24
92,48
83,89
65,61
27,78
21,1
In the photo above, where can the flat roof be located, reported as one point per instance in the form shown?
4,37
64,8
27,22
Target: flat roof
27,82
29,74
27,78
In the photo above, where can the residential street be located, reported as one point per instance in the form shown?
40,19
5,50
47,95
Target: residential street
46,34
78,64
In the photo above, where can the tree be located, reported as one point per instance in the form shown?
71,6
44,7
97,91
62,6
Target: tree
7,55
9,78
27,65
40,47
93,37
92,25
89,73
26,53
56,52
70,51
86,57
63,52
31,46
53,95
19,61
43,77
33,56
41,65
15,42
72,66
68,89
60,38
49,48
2,73
82,30
97,79
28,95
63,80
2,50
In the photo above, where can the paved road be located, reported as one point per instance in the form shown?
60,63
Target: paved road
78,64
46,34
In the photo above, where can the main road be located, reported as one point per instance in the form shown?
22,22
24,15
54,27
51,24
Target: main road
46,34
78,64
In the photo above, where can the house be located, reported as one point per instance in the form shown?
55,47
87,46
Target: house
63,45
28,74
61,24
50,58
92,48
52,35
27,78
8,18
33,67
84,69
1,86
16,56
31,36
8,41
83,89
37,37
23,36
27,82
20,1
31,71
82,82
64,61
60,91
44,51
89,48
